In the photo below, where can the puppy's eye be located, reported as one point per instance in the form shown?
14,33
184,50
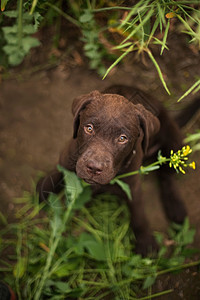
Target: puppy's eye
122,139
89,129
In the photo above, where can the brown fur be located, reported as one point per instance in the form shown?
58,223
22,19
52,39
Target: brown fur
97,153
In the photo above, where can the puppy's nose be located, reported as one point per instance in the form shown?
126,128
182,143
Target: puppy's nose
94,167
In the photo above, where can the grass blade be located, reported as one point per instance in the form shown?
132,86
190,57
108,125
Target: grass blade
63,14
137,28
155,26
161,16
156,295
195,85
158,70
34,3
165,37
133,11
118,60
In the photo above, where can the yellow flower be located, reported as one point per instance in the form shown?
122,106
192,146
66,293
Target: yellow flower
192,165
181,169
178,160
186,150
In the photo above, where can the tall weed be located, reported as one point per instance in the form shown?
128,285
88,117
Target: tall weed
75,251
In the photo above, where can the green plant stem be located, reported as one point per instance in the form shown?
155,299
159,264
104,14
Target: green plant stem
142,169
53,246
176,268
66,16
157,295
188,265
111,8
18,250
20,22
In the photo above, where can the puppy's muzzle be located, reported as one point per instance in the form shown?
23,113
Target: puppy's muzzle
95,167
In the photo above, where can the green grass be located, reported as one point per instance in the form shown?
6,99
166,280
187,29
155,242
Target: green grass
149,22
137,28
66,249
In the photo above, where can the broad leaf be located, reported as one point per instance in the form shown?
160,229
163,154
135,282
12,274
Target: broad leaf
124,186
149,281
73,187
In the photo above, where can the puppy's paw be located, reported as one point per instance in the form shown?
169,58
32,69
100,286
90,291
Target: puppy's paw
52,183
146,245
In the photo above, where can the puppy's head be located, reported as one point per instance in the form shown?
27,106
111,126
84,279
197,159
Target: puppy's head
107,128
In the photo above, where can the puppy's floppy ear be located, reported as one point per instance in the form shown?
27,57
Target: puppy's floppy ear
80,104
149,123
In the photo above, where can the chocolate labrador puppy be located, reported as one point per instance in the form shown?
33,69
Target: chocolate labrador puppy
113,132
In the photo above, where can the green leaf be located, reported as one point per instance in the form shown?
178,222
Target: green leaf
9,29
65,268
192,137
124,186
63,287
56,222
73,186
149,281
93,54
15,58
27,17
29,42
37,18
127,270
135,260
188,237
3,219
86,17
96,250
176,261
146,170
55,203
56,225
159,237
11,13
20,268
78,244
88,47
29,29
11,39
196,147
83,198
3,4
162,251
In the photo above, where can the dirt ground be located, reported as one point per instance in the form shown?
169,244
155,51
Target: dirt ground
36,121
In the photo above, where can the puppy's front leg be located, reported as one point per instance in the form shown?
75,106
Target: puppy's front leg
173,204
145,242
51,183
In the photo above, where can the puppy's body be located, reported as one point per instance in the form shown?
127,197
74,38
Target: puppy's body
113,132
